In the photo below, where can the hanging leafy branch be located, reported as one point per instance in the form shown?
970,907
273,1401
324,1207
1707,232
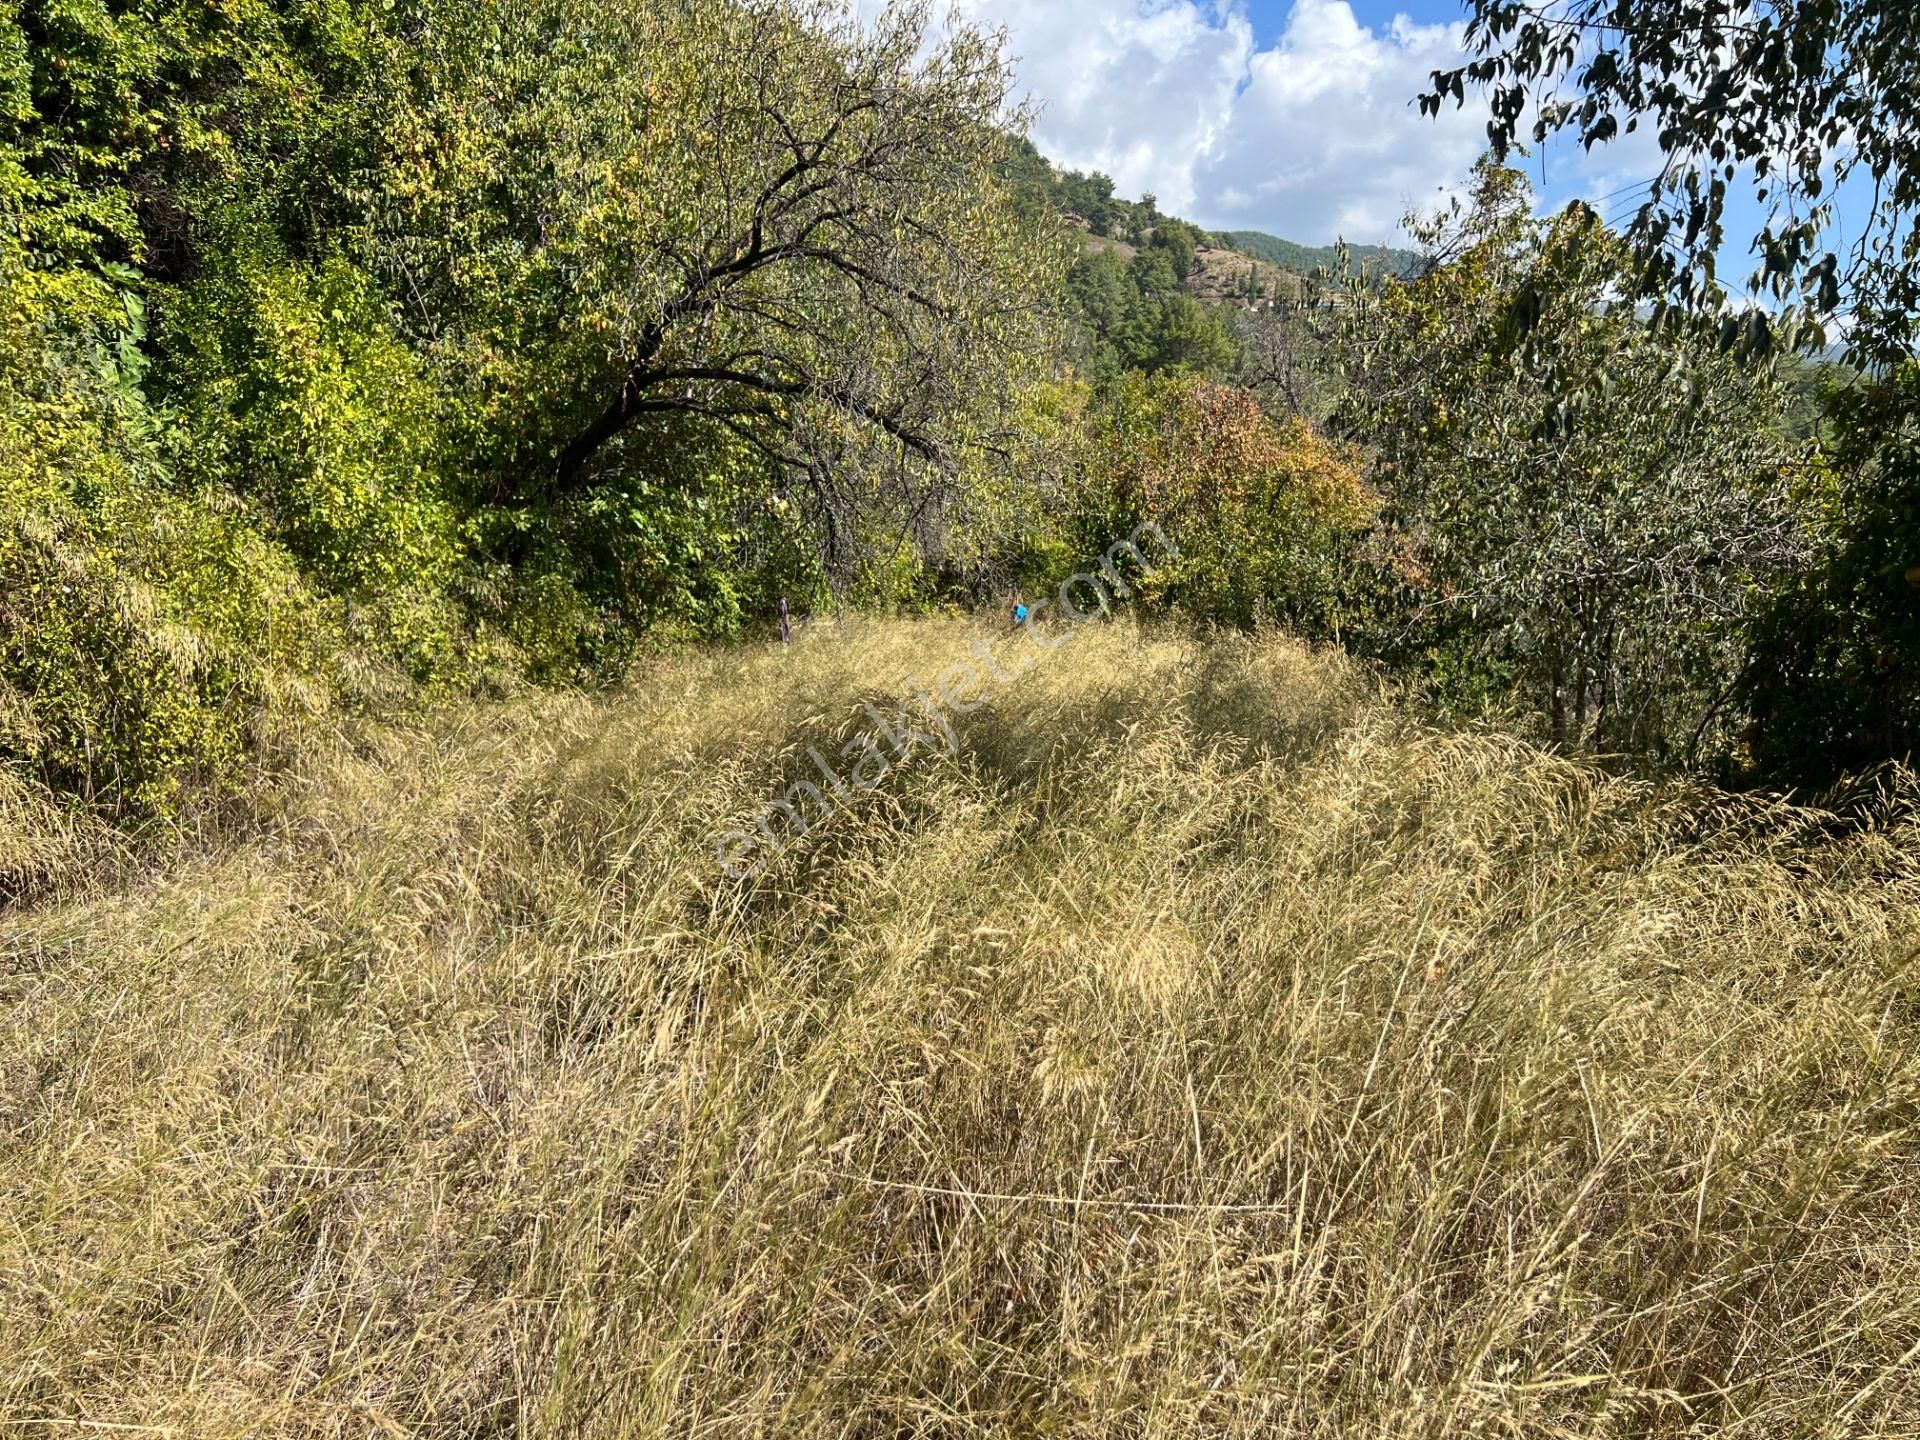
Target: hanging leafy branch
1799,98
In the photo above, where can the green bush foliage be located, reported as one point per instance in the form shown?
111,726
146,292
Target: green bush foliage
1266,515
1835,683
148,639
294,392
1584,511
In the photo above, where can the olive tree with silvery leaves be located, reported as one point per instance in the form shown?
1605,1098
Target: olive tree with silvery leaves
1593,562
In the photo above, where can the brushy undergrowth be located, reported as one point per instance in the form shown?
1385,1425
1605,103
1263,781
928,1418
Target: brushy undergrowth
1207,1050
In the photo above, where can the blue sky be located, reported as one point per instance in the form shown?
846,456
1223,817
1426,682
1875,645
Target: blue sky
1291,116
1269,17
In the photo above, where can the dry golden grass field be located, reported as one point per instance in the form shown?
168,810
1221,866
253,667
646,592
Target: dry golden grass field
1205,1049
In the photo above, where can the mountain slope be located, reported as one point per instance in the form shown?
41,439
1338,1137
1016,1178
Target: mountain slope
1200,1048
1089,201
1305,259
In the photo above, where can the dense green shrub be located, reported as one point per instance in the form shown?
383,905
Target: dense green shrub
1835,683
688,541
147,639
294,392
1266,515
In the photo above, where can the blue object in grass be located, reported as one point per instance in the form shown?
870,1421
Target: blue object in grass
1019,614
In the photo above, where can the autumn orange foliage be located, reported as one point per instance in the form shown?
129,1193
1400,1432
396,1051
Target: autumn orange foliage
1266,511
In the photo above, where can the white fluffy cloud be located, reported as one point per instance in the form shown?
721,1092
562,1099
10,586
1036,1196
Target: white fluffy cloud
1325,138
1138,90
1311,138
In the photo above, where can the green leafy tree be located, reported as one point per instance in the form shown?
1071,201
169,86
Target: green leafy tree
1794,99
1266,514
1598,562
1090,197
1175,332
149,639
123,125
1104,292
1835,685
762,214
152,635
1180,242
1154,272
293,391
1799,97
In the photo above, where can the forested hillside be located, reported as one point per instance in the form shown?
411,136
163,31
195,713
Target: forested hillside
1305,259
1090,199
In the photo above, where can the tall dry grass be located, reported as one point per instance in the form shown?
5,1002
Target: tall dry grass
1206,1051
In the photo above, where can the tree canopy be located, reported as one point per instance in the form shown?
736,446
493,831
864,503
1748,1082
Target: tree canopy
1597,563
1795,97
763,214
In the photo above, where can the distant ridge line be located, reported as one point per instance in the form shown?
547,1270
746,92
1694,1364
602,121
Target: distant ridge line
1305,259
